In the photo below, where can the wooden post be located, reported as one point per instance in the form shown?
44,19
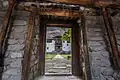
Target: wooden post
27,52
84,50
112,38
42,44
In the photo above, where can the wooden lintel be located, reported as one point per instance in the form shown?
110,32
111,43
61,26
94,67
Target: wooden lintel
55,12
112,39
59,25
97,3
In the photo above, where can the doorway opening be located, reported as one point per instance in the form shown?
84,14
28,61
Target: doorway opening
58,51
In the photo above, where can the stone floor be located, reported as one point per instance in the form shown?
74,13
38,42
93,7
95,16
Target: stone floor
58,78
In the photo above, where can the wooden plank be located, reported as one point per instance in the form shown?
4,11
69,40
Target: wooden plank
112,39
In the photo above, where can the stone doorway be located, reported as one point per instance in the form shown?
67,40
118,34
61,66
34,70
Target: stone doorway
58,53
76,69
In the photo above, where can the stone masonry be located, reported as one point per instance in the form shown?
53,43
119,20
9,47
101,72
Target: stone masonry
101,67
16,43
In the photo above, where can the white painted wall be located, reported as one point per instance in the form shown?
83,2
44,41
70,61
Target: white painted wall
66,46
50,46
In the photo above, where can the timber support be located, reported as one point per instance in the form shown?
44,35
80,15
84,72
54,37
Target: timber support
112,38
84,50
5,32
27,52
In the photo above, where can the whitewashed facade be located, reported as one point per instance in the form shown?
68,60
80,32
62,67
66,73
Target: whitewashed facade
50,46
66,46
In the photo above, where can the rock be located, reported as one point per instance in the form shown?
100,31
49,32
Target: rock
16,63
16,55
20,23
102,77
15,77
14,71
96,71
12,41
108,72
109,78
15,47
5,3
20,29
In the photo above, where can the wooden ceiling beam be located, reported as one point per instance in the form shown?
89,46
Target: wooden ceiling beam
55,12
90,3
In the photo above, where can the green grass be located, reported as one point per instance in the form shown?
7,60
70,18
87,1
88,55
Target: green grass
49,56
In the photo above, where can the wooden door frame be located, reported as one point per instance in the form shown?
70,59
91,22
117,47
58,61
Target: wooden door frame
66,24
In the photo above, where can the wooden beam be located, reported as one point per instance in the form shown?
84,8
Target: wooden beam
112,38
27,52
55,12
5,29
84,50
59,25
5,23
95,3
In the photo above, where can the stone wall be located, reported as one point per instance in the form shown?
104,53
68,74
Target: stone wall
16,43
101,67
3,9
34,60
116,24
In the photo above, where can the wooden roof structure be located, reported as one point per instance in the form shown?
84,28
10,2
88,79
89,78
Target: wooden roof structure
97,3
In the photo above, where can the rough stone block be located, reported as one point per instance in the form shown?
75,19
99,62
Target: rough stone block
5,3
15,47
20,29
16,63
15,77
108,72
96,71
12,41
16,55
15,71
19,23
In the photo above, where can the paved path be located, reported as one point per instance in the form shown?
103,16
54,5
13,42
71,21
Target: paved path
58,66
58,78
